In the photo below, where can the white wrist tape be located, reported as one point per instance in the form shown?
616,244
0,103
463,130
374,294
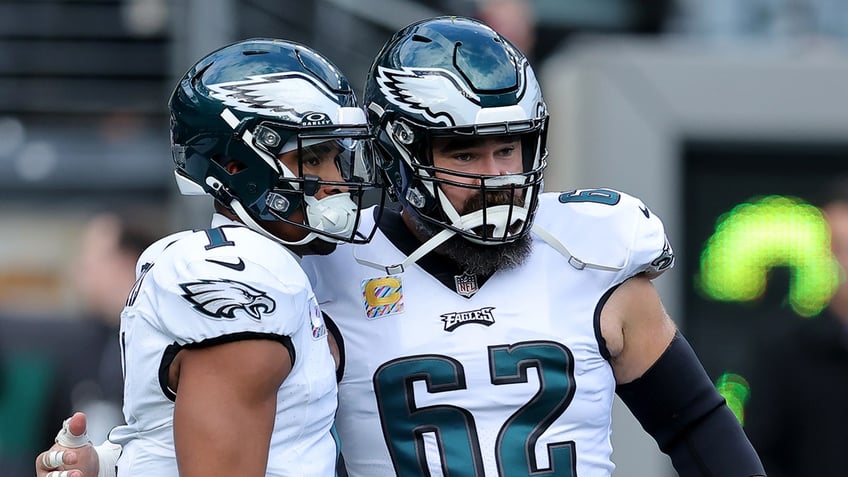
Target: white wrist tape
107,455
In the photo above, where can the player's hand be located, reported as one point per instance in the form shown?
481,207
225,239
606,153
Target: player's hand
72,455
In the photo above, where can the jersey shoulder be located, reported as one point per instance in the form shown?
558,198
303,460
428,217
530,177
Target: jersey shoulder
225,250
198,285
156,248
607,229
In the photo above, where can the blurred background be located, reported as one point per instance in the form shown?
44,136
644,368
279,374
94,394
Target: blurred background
729,118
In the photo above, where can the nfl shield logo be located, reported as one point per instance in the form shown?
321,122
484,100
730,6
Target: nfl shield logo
466,285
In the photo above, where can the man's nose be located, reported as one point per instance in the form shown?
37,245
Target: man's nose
331,189
494,167
330,174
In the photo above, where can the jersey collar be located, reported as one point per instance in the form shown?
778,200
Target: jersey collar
440,268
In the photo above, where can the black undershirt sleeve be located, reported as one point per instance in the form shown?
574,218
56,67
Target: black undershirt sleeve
677,404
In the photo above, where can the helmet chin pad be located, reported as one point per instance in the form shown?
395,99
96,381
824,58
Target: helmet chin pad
493,224
335,214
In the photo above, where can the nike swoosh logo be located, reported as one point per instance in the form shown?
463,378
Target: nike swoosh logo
645,212
238,266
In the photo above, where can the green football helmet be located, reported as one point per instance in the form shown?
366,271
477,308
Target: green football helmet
253,101
455,76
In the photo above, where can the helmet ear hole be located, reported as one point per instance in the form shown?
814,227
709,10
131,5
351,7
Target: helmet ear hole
403,133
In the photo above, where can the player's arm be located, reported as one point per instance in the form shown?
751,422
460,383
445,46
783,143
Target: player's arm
225,406
663,383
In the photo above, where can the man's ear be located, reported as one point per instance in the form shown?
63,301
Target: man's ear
234,167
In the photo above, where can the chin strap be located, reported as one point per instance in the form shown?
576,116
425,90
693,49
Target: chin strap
422,250
572,260
247,220
465,222
445,234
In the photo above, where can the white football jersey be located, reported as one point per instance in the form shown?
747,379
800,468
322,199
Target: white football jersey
199,288
505,378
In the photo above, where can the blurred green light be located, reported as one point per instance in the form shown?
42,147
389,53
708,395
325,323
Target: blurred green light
736,391
769,232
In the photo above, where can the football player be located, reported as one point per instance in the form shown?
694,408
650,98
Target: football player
227,365
486,327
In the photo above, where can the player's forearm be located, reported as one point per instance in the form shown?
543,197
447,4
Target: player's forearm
677,404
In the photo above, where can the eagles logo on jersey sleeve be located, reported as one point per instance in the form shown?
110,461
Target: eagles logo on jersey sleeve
195,292
222,298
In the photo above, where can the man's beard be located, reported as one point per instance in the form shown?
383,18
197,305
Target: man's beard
476,258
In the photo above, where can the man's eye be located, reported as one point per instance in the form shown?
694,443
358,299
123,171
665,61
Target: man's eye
312,161
462,157
507,151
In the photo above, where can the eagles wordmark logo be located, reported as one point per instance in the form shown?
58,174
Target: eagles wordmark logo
221,299
483,316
